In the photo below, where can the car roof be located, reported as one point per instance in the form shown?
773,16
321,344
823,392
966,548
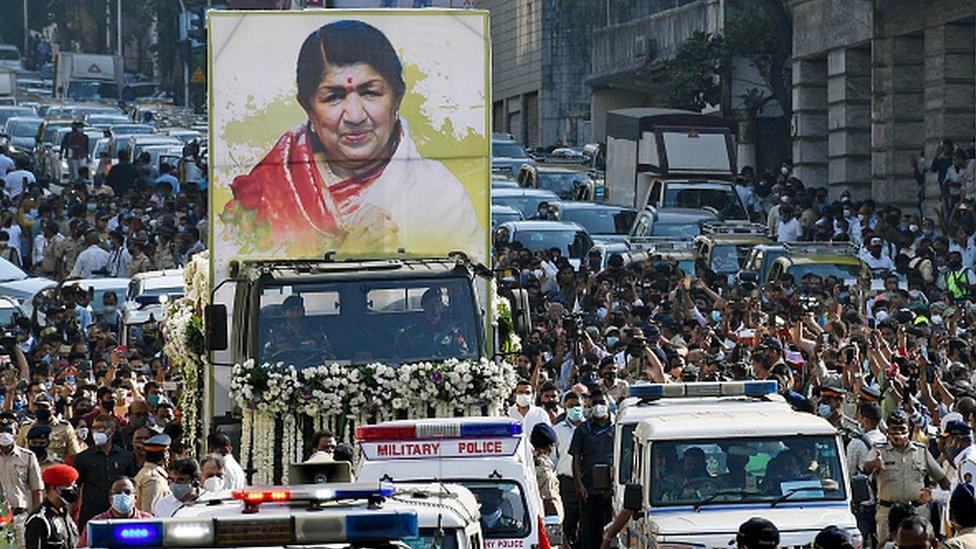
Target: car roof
822,259
562,168
542,225
681,215
99,283
507,193
501,208
26,119
721,185
573,205
712,424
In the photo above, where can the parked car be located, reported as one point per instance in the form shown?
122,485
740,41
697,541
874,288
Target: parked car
9,111
677,223
503,214
10,57
507,155
19,135
524,200
568,181
571,239
603,222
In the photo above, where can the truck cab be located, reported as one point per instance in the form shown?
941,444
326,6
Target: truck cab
696,460
668,158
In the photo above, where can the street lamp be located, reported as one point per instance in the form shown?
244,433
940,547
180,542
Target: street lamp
184,22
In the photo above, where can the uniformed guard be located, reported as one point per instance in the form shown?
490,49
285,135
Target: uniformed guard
38,441
62,439
901,466
152,482
962,513
50,526
544,441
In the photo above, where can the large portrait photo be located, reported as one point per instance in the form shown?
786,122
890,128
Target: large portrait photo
363,134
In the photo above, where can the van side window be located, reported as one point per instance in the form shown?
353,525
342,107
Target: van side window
656,193
638,462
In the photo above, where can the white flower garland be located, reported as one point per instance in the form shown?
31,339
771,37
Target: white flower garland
183,346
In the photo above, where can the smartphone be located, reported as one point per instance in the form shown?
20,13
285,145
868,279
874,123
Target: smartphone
825,338
168,385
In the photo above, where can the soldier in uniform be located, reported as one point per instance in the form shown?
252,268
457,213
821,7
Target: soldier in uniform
901,466
152,482
38,441
544,442
63,441
50,526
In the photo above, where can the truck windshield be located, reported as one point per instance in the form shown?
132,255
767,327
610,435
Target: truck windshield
508,150
572,243
394,321
92,91
430,537
746,470
723,200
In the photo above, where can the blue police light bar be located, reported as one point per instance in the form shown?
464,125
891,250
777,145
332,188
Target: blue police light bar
383,490
653,391
492,429
130,533
404,430
382,526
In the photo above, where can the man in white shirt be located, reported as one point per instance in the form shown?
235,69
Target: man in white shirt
564,464
6,164
119,257
964,244
92,260
13,182
525,409
789,229
874,258
234,478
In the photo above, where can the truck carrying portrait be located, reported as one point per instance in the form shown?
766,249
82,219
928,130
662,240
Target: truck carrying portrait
361,133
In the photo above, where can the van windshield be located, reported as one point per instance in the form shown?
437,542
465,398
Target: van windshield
746,470
503,510
397,321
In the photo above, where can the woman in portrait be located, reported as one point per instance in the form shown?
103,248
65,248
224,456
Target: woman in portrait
350,176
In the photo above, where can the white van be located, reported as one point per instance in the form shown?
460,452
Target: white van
337,515
696,460
488,456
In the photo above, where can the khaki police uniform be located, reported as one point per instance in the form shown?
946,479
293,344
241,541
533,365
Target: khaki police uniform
903,479
139,264
63,440
545,476
152,485
965,539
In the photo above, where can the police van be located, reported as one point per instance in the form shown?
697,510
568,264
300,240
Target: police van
488,456
323,516
696,460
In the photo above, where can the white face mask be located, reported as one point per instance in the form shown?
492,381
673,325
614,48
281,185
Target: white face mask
601,411
212,484
99,438
524,400
6,439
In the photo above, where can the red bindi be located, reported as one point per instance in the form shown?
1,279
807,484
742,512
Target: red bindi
349,86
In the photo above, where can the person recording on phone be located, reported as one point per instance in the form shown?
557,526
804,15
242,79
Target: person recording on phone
641,362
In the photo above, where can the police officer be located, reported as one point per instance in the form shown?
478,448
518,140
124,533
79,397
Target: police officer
544,441
152,482
50,526
901,466
63,441
38,441
869,418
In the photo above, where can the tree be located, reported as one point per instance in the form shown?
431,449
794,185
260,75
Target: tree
760,32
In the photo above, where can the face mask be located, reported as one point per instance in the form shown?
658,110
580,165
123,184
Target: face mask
43,415
716,317
123,504
611,341
69,495
39,451
82,433
913,228
937,320
100,438
108,404
153,400
575,414
881,316
825,411
213,484
601,411
6,439
610,376
181,490
70,380
523,400
550,405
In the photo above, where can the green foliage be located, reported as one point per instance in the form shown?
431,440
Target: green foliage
694,72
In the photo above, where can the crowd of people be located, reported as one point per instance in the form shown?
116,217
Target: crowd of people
88,425
892,368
